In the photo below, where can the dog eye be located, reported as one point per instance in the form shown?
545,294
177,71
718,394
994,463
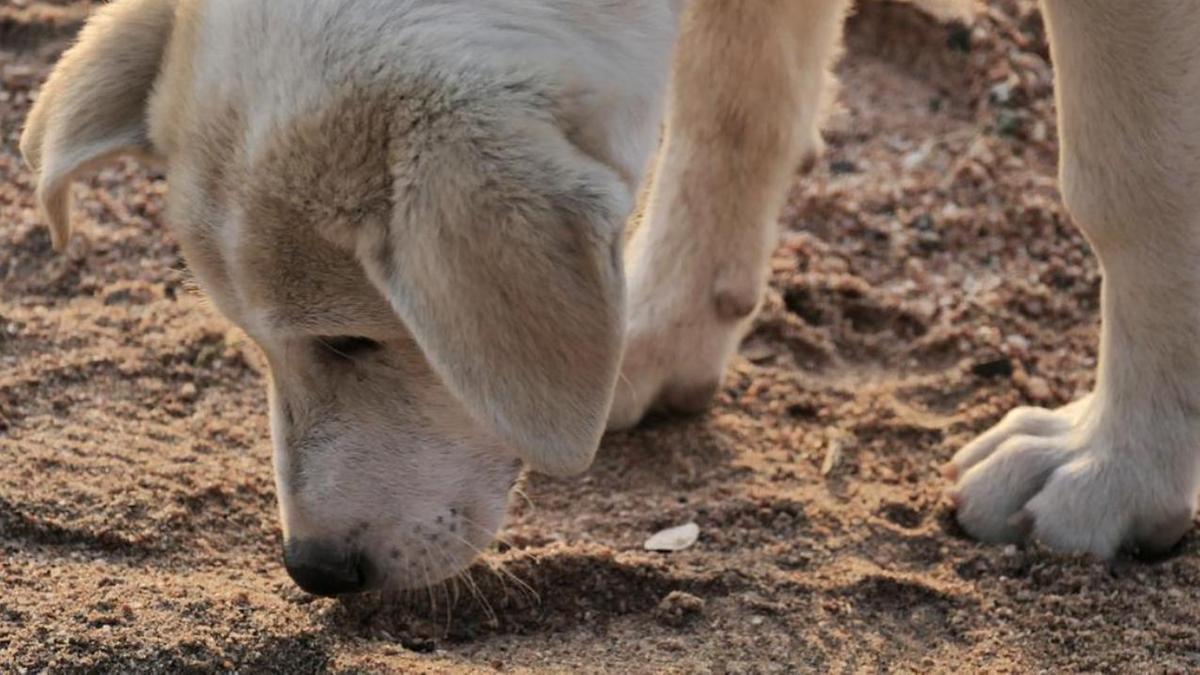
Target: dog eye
349,346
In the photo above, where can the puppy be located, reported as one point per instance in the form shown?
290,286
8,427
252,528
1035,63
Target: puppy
416,210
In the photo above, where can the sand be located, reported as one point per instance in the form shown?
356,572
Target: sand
928,279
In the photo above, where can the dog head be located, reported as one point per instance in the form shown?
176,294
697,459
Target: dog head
429,257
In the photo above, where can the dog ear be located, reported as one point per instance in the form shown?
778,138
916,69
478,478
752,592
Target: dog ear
503,258
93,106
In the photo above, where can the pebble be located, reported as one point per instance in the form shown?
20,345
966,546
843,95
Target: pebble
679,608
1038,389
673,538
18,76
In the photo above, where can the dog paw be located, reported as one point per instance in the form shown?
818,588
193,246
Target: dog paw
1078,479
681,334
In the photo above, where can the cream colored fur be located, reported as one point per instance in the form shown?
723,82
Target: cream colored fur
1118,469
697,266
102,84
449,181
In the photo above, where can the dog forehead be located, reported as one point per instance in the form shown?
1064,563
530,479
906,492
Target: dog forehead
288,145
268,237
312,287
275,276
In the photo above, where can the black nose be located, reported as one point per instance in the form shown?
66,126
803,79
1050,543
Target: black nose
325,570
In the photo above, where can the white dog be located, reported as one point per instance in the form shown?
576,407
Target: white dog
416,209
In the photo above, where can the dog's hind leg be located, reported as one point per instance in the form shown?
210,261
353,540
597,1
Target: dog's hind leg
1121,467
750,81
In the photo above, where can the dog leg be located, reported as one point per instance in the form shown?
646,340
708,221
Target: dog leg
750,80
1118,469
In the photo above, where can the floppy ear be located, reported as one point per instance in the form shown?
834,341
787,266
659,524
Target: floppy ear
94,104
503,258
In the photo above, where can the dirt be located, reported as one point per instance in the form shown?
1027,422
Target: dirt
928,279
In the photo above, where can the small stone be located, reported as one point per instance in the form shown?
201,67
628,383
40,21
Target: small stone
833,451
1018,343
673,538
679,608
997,367
758,353
1038,389
843,166
18,76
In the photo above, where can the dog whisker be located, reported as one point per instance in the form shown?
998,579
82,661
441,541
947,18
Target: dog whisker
428,581
520,492
481,557
472,588
480,598
501,572
499,537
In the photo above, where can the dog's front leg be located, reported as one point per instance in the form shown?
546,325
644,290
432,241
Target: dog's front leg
1118,469
750,80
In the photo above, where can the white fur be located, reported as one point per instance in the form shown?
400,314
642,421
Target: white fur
743,115
1120,468
448,178
1116,470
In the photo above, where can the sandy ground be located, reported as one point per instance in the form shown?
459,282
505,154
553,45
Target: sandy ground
928,280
